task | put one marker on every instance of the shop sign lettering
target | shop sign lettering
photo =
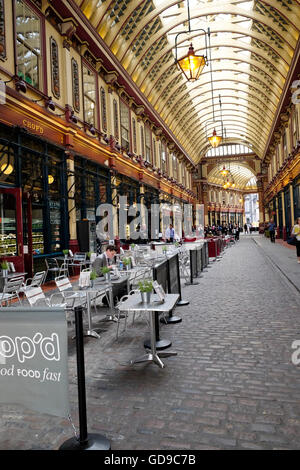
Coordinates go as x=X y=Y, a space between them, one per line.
x=33 y=126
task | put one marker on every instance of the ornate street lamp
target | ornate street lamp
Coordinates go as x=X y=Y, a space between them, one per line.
x=192 y=64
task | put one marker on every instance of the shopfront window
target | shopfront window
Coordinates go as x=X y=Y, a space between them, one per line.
x=7 y=165
x=89 y=92
x=54 y=197
x=8 y=225
x=28 y=34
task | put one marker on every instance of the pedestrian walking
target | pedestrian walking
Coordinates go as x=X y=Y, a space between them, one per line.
x=271 y=228
x=246 y=228
x=296 y=234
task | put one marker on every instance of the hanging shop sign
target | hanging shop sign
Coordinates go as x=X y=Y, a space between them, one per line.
x=34 y=359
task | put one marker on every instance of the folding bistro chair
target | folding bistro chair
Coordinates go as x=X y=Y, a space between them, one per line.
x=36 y=281
x=11 y=290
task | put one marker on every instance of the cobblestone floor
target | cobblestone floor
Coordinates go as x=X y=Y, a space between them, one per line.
x=232 y=385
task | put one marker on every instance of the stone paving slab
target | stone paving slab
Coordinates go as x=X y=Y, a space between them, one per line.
x=231 y=386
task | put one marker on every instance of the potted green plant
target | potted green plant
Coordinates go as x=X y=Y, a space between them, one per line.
x=106 y=272
x=145 y=288
x=177 y=244
x=65 y=252
x=4 y=267
x=93 y=276
x=89 y=254
x=132 y=246
x=126 y=262
x=164 y=250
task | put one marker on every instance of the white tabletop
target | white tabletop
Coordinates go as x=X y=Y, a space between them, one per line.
x=134 y=303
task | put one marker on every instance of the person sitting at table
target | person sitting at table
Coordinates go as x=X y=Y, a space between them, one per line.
x=105 y=259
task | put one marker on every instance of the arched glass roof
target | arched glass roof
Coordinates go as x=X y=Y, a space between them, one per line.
x=252 y=45
x=242 y=176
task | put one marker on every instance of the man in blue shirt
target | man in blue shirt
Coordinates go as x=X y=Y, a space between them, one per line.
x=271 y=228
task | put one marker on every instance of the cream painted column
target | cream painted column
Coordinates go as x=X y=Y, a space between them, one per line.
x=66 y=84
x=71 y=199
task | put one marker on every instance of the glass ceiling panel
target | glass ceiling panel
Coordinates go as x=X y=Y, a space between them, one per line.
x=252 y=45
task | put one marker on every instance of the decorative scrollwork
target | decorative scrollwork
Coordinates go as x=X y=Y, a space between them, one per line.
x=54 y=68
x=75 y=82
x=2 y=31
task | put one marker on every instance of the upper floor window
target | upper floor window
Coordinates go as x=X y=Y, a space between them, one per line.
x=89 y=95
x=116 y=119
x=154 y=152
x=175 y=167
x=142 y=142
x=125 y=127
x=183 y=178
x=163 y=158
x=148 y=144
x=284 y=145
x=28 y=44
x=295 y=129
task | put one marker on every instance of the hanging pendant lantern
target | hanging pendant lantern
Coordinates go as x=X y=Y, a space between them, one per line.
x=215 y=139
x=191 y=64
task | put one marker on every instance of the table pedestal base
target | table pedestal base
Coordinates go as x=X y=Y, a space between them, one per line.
x=182 y=303
x=160 y=344
x=154 y=358
x=94 y=442
x=172 y=319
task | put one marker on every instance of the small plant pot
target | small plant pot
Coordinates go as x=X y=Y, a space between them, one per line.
x=92 y=282
x=146 y=297
x=4 y=272
x=107 y=276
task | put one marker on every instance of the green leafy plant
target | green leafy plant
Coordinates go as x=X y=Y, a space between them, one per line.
x=126 y=261
x=105 y=270
x=145 y=286
x=177 y=244
x=4 y=265
x=93 y=275
x=65 y=252
x=132 y=246
x=89 y=254
x=164 y=249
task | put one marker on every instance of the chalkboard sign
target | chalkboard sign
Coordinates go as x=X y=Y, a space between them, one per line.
x=173 y=280
x=160 y=274
x=199 y=261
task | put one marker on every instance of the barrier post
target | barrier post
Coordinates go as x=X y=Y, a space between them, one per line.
x=86 y=441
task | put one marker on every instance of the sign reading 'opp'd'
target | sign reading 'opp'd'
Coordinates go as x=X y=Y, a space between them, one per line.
x=34 y=359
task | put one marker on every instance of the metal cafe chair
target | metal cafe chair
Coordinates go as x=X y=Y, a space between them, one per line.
x=35 y=295
x=36 y=281
x=53 y=267
x=78 y=261
x=11 y=290
x=66 y=289
x=124 y=315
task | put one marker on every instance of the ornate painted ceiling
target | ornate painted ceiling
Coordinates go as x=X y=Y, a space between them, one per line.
x=252 y=45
